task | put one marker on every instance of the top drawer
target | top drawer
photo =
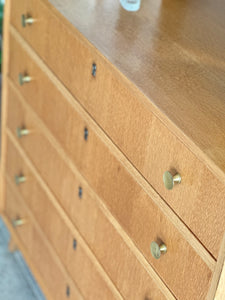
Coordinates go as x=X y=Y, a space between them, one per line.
x=61 y=50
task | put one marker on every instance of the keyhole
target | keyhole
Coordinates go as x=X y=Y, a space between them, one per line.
x=94 y=70
x=85 y=133
x=67 y=291
x=80 y=192
x=74 y=244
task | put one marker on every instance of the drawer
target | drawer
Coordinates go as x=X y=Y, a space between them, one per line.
x=199 y=192
x=43 y=259
x=72 y=250
x=37 y=32
x=58 y=44
x=133 y=208
x=84 y=210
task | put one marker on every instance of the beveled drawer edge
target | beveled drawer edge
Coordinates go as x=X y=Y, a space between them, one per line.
x=188 y=142
x=182 y=228
x=220 y=267
x=220 y=294
x=158 y=281
x=65 y=218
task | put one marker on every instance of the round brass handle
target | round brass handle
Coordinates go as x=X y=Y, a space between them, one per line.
x=157 y=250
x=20 y=132
x=169 y=180
x=26 y=20
x=18 y=222
x=23 y=79
x=19 y=179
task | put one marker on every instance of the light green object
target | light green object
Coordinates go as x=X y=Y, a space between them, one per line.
x=129 y=5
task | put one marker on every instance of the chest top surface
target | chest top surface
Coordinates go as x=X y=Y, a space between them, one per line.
x=173 y=52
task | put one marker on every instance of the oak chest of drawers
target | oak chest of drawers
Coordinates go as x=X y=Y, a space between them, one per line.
x=113 y=147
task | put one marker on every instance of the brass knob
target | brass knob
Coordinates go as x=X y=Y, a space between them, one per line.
x=20 y=132
x=18 y=222
x=157 y=250
x=26 y=20
x=169 y=180
x=19 y=179
x=24 y=79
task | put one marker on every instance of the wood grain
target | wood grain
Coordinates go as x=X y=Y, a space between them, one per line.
x=183 y=88
x=155 y=152
x=135 y=219
x=217 y=272
x=220 y=293
x=158 y=201
x=84 y=269
x=86 y=212
x=53 y=279
x=5 y=68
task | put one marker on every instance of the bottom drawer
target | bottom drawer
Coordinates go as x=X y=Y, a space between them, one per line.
x=57 y=283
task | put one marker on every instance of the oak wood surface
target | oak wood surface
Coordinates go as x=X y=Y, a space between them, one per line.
x=184 y=83
x=142 y=219
x=84 y=269
x=220 y=293
x=201 y=193
x=86 y=213
x=145 y=185
x=217 y=273
x=53 y=279
x=180 y=84
x=169 y=81
x=3 y=111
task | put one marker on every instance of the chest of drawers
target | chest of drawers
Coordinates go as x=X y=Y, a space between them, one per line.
x=113 y=143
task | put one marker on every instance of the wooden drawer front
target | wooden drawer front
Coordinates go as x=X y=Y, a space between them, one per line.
x=57 y=46
x=84 y=270
x=134 y=209
x=40 y=254
x=35 y=33
x=191 y=200
x=84 y=211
